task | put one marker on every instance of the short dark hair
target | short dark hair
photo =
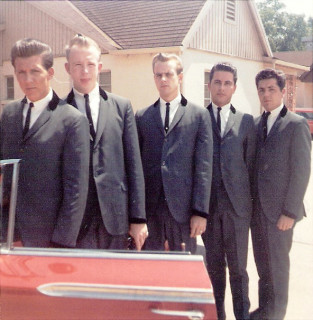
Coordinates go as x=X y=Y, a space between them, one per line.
x=271 y=74
x=164 y=57
x=224 y=66
x=28 y=47
x=81 y=41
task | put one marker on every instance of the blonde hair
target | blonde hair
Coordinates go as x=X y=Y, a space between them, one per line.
x=81 y=41
x=164 y=57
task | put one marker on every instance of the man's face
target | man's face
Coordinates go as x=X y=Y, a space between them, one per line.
x=222 y=87
x=83 y=67
x=32 y=77
x=167 y=80
x=270 y=95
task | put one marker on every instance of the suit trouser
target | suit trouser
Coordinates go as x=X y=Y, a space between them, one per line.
x=162 y=226
x=226 y=242
x=271 y=249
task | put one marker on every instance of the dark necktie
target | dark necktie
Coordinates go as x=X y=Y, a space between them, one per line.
x=264 y=124
x=27 y=120
x=88 y=114
x=218 y=118
x=167 y=117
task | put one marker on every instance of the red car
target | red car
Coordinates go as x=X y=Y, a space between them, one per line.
x=307 y=113
x=70 y=284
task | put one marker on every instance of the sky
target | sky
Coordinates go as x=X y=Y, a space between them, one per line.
x=299 y=7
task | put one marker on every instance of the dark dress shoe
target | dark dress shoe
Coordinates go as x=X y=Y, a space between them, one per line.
x=258 y=314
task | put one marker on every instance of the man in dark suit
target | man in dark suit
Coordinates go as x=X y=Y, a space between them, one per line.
x=176 y=148
x=50 y=138
x=115 y=204
x=282 y=173
x=227 y=234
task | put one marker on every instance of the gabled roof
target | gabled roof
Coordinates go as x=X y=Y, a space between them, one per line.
x=304 y=58
x=134 y=24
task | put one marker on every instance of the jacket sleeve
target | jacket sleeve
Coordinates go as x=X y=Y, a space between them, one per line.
x=75 y=173
x=134 y=171
x=300 y=160
x=203 y=167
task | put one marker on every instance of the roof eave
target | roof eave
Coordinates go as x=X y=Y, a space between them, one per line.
x=290 y=65
x=175 y=49
x=62 y=10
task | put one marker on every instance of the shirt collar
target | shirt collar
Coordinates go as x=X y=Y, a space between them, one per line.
x=276 y=112
x=174 y=102
x=43 y=102
x=92 y=94
x=225 y=109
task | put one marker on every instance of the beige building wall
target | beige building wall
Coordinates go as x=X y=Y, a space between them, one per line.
x=132 y=77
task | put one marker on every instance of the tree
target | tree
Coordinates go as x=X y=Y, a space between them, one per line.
x=284 y=30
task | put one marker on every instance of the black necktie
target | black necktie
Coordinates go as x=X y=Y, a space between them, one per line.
x=88 y=114
x=218 y=118
x=264 y=124
x=27 y=120
x=167 y=117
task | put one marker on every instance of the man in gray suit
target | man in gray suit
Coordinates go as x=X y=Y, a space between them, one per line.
x=176 y=148
x=227 y=234
x=115 y=203
x=282 y=173
x=50 y=138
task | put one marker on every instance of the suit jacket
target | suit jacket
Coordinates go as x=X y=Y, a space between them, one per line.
x=53 y=180
x=236 y=155
x=283 y=166
x=180 y=161
x=116 y=162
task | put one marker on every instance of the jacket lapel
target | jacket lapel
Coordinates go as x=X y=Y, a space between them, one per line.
x=179 y=113
x=231 y=120
x=70 y=99
x=19 y=122
x=277 y=123
x=157 y=116
x=213 y=120
x=44 y=116
x=104 y=109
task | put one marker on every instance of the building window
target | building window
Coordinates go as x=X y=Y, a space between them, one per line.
x=10 y=87
x=207 y=93
x=105 y=81
x=230 y=11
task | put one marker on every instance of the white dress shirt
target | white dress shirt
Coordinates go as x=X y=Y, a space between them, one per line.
x=94 y=102
x=37 y=109
x=225 y=111
x=273 y=117
x=174 y=104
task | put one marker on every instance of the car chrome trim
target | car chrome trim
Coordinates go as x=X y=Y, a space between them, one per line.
x=13 y=196
x=125 y=292
x=192 y=314
x=100 y=254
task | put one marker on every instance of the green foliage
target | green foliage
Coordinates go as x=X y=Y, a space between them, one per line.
x=284 y=30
